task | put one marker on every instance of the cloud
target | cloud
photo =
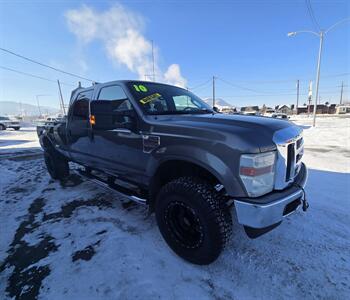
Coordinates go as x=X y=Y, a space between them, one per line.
x=121 y=32
x=173 y=75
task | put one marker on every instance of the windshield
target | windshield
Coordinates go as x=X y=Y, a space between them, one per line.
x=4 y=118
x=161 y=99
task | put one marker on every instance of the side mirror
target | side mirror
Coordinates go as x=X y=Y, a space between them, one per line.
x=125 y=113
x=216 y=109
x=126 y=117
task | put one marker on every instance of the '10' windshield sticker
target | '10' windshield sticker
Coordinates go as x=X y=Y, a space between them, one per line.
x=150 y=98
x=140 y=88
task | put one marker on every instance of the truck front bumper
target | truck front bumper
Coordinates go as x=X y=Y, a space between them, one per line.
x=269 y=210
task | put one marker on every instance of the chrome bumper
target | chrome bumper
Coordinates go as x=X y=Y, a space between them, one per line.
x=261 y=215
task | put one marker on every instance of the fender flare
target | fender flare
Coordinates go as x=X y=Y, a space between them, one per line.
x=206 y=160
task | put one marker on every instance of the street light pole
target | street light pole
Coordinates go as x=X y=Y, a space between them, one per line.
x=321 y=35
x=318 y=77
x=297 y=96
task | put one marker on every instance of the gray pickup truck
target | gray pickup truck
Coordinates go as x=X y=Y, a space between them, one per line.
x=162 y=146
x=6 y=122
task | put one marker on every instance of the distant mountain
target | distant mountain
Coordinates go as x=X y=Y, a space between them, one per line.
x=218 y=102
x=16 y=108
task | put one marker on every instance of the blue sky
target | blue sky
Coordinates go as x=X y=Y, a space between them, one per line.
x=244 y=43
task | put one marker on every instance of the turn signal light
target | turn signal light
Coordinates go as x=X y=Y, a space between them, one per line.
x=92 y=120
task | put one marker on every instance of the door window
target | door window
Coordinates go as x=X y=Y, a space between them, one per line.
x=115 y=94
x=112 y=99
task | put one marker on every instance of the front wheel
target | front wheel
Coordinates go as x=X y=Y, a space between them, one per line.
x=193 y=219
x=2 y=127
x=56 y=164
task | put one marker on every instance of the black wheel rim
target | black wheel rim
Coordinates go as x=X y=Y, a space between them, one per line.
x=184 y=224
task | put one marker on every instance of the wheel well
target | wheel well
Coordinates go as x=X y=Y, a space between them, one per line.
x=173 y=169
x=46 y=143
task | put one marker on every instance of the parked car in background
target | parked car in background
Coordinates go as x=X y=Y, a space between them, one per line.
x=280 y=116
x=6 y=122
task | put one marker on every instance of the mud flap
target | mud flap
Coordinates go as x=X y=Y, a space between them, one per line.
x=253 y=233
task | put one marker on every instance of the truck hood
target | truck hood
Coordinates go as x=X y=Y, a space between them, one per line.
x=248 y=133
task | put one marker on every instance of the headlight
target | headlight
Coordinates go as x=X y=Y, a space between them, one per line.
x=257 y=172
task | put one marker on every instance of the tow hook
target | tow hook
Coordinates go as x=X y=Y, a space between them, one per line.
x=305 y=205
x=304 y=201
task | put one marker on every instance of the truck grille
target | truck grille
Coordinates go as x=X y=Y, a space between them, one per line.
x=290 y=146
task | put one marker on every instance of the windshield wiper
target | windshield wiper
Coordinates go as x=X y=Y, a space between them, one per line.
x=205 y=111
x=181 y=112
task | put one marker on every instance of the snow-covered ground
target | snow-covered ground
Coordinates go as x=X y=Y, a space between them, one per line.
x=74 y=240
x=24 y=140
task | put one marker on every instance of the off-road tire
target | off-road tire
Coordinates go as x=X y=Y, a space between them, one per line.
x=206 y=207
x=56 y=164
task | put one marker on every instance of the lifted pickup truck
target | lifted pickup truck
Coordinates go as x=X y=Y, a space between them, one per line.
x=163 y=146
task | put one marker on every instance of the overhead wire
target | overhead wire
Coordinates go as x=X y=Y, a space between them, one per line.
x=200 y=85
x=312 y=15
x=238 y=86
x=34 y=76
x=45 y=65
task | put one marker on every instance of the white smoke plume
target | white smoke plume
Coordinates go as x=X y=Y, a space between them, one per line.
x=121 y=32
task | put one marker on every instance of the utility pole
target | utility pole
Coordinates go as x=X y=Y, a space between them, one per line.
x=341 y=93
x=297 y=95
x=37 y=100
x=20 y=108
x=154 y=75
x=309 y=98
x=213 y=91
x=61 y=97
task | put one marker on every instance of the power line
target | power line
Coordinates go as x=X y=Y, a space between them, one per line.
x=270 y=95
x=238 y=86
x=200 y=85
x=32 y=75
x=312 y=15
x=289 y=80
x=45 y=65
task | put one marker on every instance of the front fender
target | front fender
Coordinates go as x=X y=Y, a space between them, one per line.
x=207 y=160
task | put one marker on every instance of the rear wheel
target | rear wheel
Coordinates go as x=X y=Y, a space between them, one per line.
x=16 y=128
x=2 y=127
x=56 y=165
x=193 y=219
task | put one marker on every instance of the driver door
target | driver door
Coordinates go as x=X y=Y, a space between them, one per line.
x=116 y=140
